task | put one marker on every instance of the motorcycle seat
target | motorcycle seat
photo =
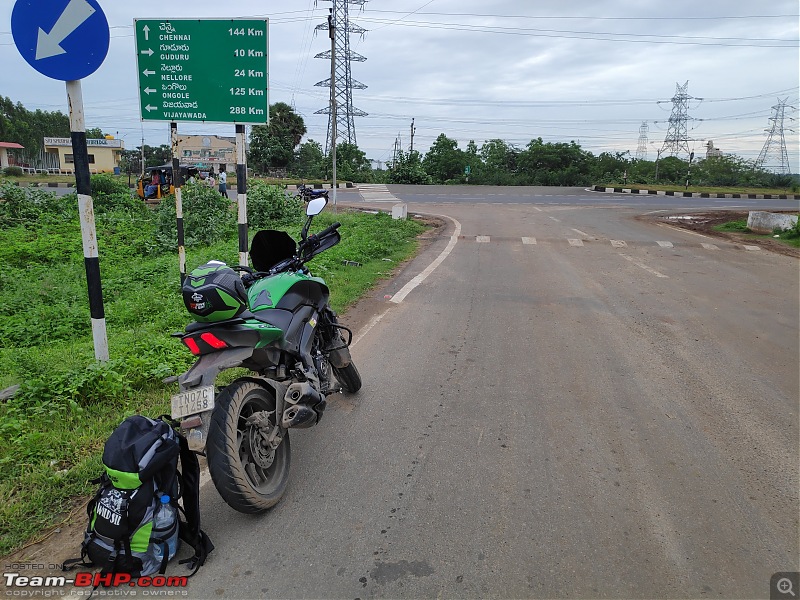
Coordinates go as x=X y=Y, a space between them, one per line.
x=197 y=326
x=274 y=316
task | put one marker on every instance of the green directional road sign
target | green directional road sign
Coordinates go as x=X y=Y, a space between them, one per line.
x=203 y=70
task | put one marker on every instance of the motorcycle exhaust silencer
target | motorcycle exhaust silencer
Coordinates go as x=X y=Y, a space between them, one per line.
x=305 y=406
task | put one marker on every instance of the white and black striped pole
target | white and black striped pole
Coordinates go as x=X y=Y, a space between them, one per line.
x=83 y=184
x=241 y=192
x=178 y=182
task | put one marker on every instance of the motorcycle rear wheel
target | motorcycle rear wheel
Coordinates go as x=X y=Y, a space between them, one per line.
x=237 y=468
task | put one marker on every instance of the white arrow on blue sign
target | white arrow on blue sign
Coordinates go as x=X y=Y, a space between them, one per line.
x=62 y=39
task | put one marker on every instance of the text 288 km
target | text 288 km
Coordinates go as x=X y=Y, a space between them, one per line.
x=193 y=401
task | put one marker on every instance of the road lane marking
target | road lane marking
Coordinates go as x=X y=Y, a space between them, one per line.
x=483 y=239
x=619 y=244
x=579 y=232
x=537 y=208
x=683 y=230
x=710 y=246
x=554 y=219
x=365 y=330
x=753 y=248
x=575 y=242
x=665 y=244
x=529 y=240
x=641 y=265
x=407 y=288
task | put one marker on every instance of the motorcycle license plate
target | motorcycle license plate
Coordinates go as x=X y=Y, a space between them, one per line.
x=192 y=401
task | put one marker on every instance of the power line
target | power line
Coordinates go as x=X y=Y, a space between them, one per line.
x=591 y=35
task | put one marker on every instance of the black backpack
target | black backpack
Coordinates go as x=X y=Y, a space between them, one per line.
x=141 y=464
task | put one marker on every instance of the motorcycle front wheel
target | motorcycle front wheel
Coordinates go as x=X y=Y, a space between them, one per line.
x=349 y=377
x=249 y=475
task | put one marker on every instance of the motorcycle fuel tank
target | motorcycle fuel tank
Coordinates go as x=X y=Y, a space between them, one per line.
x=287 y=291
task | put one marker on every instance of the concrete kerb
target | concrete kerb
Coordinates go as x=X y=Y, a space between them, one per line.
x=619 y=190
x=48 y=184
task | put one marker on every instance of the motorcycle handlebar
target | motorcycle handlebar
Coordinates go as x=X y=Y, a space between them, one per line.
x=328 y=230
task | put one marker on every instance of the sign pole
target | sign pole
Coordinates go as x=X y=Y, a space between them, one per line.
x=91 y=257
x=177 y=181
x=241 y=192
x=332 y=33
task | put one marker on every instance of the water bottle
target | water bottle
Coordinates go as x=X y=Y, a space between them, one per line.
x=165 y=526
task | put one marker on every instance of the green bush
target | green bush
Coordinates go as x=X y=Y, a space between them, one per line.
x=103 y=183
x=792 y=233
x=30 y=207
x=269 y=206
x=13 y=171
x=207 y=218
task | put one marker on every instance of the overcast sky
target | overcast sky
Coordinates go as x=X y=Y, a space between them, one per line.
x=589 y=71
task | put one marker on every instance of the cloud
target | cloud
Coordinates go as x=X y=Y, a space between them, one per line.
x=584 y=70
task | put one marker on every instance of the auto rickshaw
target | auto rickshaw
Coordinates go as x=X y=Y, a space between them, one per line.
x=157 y=182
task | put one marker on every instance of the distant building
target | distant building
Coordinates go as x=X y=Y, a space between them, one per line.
x=207 y=150
x=711 y=150
x=104 y=154
x=4 y=148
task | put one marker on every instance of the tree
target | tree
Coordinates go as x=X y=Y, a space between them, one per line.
x=444 y=161
x=407 y=168
x=309 y=161
x=157 y=155
x=351 y=163
x=611 y=167
x=17 y=124
x=554 y=163
x=95 y=133
x=273 y=145
x=131 y=161
x=499 y=161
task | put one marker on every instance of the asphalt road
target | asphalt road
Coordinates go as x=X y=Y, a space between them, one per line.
x=573 y=404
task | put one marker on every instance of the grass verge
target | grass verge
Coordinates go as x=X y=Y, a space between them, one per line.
x=53 y=430
x=790 y=237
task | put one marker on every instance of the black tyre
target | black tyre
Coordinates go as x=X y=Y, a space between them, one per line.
x=248 y=474
x=349 y=377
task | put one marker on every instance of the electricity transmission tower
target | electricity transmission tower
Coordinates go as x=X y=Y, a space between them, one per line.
x=773 y=155
x=641 y=150
x=344 y=84
x=677 y=139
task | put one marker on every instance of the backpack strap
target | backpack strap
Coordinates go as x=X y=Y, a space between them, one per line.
x=190 y=531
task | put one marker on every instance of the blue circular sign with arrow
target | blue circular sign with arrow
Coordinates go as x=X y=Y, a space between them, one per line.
x=62 y=39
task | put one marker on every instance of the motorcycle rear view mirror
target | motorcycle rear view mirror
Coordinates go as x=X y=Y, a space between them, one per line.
x=315 y=206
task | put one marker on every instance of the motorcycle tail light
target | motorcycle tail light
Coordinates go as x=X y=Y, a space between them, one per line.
x=213 y=341
x=192 y=346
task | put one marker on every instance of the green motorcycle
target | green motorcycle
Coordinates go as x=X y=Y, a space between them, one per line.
x=276 y=321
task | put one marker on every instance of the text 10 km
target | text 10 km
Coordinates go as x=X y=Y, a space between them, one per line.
x=249 y=31
x=249 y=53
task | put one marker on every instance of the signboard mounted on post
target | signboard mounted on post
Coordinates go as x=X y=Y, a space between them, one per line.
x=203 y=70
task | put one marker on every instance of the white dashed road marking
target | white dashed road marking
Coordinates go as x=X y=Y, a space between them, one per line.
x=529 y=240
x=575 y=242
x=644 y=266
x=665 y=244
x=618 y=244
x=710 y=246
x=483 y=239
